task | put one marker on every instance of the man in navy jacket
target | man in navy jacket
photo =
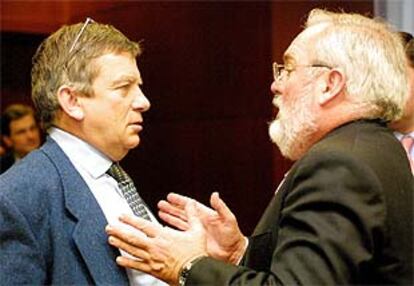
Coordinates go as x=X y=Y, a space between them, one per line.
x=55 y=203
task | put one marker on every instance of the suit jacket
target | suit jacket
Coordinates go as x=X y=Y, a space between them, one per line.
x=52 y=230
x=343 y=215
x=6 y=162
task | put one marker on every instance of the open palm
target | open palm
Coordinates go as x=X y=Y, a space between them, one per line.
x=224 y=238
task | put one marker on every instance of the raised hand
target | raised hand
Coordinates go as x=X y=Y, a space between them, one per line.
x=224 y=238
x=156 y=250
x=172 y=211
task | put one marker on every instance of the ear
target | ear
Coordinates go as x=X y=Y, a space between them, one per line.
x=70 y=103
x=334 y=84
x=7 y=140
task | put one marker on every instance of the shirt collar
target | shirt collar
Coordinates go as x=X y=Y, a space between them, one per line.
x=80 y=153
x=401 y=135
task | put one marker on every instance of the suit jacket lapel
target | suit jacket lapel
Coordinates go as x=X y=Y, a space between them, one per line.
x=264 y=239
x=89 y=234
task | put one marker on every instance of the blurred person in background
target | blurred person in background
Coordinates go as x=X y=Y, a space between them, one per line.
x=19 y=132
x=3 y=149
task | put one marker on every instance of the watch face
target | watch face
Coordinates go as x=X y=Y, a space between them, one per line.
x=184 y=273
x=181 y=281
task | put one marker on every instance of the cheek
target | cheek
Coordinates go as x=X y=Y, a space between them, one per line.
x=20 y=142
x=411 y=84
x=409 y=108
x=290 y=99
x=120 y=111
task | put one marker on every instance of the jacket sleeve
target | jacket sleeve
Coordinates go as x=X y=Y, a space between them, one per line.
x=332 y=209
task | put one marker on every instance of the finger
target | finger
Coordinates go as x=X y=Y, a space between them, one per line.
x=178 y=200
x=130 y=249
x=153 y=269
x=145 y=226
x=220 y=206
x=204 y=210
x=133 y=264
x=181 y=201
x=173 y=221
x=130 y=236
x=166 y=207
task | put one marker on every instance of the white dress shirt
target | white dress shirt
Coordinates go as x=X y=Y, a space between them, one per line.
x=400 y=136
x=92 y=165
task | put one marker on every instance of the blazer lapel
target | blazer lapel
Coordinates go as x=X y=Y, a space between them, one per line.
x=89 y=234
x=264 y=239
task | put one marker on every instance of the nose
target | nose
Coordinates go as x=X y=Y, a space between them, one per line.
x=141 y=102
x=33 y=133
x=275 y=87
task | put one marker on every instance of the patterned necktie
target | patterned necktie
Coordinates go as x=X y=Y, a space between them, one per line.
x=128 y=190
x=408 y=142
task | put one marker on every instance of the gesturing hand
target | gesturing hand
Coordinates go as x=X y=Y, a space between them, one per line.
x=159 y=251
x=224 y=238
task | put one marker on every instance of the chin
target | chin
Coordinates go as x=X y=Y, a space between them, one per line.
x=277 y=136
x=283 y=138
x=275 y=132
x=133 y=142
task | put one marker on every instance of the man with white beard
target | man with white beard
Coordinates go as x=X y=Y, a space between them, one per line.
x=343 y=214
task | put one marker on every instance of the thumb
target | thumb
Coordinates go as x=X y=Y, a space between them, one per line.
x=220 y=206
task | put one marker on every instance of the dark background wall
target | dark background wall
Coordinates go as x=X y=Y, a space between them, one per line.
x=206 y=68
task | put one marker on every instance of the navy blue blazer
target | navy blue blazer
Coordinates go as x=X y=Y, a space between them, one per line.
x=52 y=230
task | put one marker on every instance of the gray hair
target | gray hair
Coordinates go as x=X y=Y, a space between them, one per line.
x=57 y=63
x=373 y=58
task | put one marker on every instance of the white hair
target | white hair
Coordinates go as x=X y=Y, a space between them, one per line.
x=372 y=56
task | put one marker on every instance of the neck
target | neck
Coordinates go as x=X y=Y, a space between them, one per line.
x=403 y=126
x=115 y=155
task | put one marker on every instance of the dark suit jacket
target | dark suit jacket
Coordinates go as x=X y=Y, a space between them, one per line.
x=344 y=215
x=6 y=162
x=52 y=230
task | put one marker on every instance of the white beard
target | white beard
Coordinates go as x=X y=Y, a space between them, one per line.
x=293 y=129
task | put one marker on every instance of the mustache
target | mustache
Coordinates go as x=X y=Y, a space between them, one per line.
x=277 y=102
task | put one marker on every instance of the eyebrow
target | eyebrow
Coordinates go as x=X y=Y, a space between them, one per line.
x=126 y=79
x=288 y=58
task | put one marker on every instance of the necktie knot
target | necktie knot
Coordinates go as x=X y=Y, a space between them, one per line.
x=118 y=174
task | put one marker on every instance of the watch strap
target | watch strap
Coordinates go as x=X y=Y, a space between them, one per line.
x=185 y=270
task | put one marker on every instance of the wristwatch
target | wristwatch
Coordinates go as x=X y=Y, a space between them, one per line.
x=185 y=270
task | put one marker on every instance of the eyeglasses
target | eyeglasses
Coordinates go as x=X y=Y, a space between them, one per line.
x=72 y=49
x=87 y=21
x=280 y=71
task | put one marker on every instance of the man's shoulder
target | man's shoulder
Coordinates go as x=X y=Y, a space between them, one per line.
x=365 y=149
x=360 y=138
x=40 y=169
x=32 y=171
